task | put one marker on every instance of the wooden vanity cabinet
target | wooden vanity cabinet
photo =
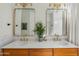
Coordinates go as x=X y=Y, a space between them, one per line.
x=15 y=52
x=41 y=52
x=65 y=51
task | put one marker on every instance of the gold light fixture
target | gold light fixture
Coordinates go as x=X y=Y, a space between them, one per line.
x=24 y=4
x=55 y=5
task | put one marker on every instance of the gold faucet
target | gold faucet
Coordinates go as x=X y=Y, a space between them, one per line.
x=56 y=37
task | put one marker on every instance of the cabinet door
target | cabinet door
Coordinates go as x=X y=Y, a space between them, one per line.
x=15 y=52
x=1 y=52
x=41 y=52
x=65 y=52
x=78 y=51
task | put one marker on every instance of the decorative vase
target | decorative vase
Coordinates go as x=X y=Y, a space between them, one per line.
x=40 y=39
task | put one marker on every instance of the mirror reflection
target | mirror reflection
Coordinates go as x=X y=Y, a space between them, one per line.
x=56 y=22
x=24 y=21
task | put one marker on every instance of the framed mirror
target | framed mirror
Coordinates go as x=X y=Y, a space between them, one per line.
x=56 y=22
x=24 y=19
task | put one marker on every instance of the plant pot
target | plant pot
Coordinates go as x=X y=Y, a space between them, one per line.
x=40 y=39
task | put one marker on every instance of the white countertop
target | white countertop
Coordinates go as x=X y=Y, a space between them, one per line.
x=43 y=44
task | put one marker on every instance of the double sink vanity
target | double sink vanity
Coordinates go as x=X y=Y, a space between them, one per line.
x=36 y=48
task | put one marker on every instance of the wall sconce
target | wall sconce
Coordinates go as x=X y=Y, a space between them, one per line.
x=23 y=4
x=55 y=5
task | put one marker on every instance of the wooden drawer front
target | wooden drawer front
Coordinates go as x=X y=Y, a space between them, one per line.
x=15 y=52
x=65 y=52
x=1 y=52
x=41 y=52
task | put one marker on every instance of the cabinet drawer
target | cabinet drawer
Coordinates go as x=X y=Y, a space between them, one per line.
x=15 y=52
x=65 y=52
x=41 y=52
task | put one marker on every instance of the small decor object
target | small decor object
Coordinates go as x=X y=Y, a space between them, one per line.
x=39 y=30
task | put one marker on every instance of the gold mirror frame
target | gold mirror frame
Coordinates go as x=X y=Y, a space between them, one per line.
x=65 y=21
x=22 y=6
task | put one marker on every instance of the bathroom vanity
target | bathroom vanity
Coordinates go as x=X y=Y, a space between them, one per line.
x=35 y=48
x=56 y=24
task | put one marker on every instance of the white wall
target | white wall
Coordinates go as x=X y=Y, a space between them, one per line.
x=40 y=11
x=72 y=18
x=5 y=18
x=73 y=22
x=77 y=26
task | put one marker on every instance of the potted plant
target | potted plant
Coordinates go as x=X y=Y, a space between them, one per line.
x=39 y=30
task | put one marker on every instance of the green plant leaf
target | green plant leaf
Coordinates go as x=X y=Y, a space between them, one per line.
x=39 y=29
